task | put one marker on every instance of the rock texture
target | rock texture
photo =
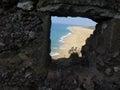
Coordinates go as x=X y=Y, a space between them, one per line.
x=104 y=44
x=97 y=10
x=25 y=63
x=25 y=5
x=24 y=47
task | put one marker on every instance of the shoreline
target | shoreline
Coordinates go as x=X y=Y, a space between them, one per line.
x=61 y=41
x=73 y=41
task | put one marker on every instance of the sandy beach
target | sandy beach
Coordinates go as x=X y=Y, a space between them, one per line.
x=73 y=42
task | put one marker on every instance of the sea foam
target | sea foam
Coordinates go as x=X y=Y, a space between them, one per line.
x=63 y=37
x=54 y=54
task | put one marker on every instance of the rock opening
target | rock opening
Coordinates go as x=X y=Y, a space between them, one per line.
x=69 y=34
x=25 y=63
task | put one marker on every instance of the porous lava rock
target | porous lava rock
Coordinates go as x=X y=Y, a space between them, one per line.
x=25 y=63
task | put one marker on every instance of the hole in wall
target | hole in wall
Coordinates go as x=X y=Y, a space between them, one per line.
x=69 y=34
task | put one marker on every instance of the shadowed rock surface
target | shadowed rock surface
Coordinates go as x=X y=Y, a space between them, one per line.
x=97 y=10
x=25 y=63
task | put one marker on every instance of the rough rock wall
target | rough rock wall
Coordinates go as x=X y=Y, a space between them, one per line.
x=97 y=10
x=24 y=47
x=102 y=52
x=25 y=42
x=102 y=49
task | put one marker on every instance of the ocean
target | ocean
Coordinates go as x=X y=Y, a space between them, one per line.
x=58 y=33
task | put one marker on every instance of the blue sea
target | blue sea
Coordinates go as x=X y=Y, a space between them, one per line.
x=58 y=33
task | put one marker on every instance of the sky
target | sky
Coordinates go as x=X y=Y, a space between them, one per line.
x=74 y=21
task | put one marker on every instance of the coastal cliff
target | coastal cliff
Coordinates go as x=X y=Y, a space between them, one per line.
x=25 y=63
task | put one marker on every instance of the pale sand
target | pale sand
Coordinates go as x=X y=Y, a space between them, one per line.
x=76 y=39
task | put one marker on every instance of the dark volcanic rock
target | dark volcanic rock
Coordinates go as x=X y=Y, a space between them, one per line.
x=6 y=4
x=25 y=46
x=97 y=10
x=22 y=40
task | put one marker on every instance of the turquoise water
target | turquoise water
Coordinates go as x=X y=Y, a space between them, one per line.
x=58 y=33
